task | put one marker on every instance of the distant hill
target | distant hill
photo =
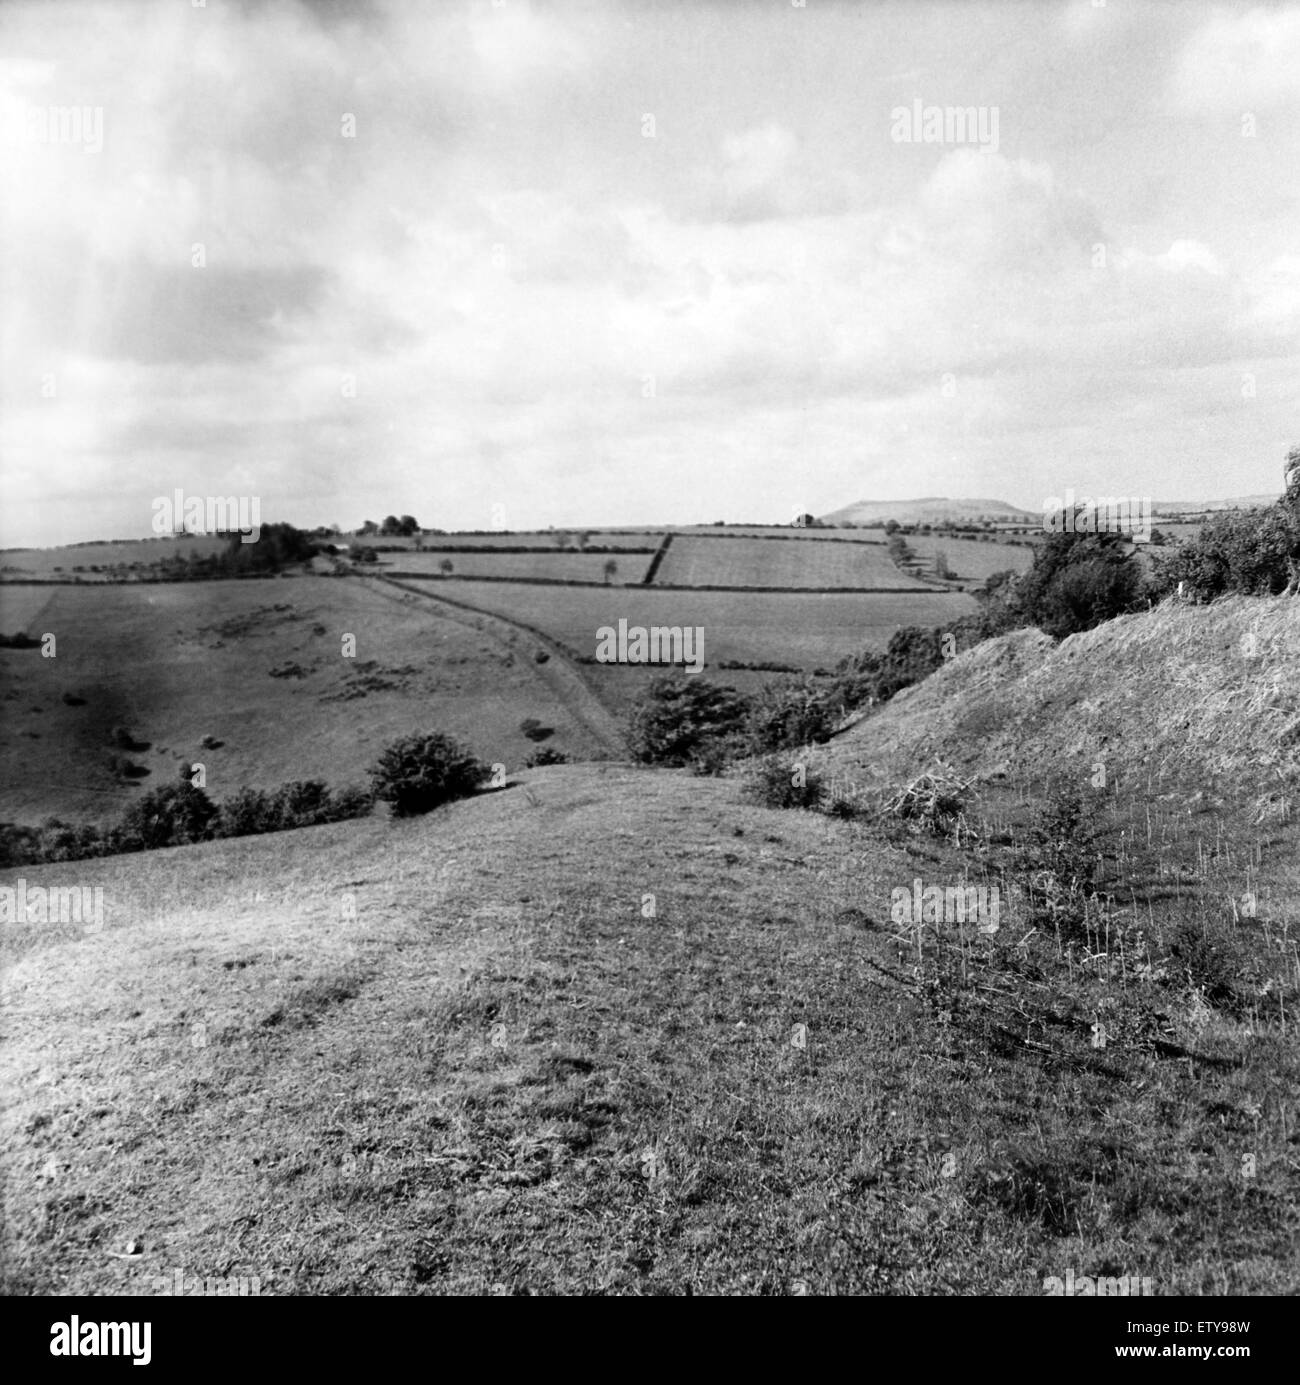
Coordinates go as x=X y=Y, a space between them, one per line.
x=935 y=509
x=931 y=509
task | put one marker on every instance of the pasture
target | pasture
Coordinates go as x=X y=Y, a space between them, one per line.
x=46 y=562
x=970 y=559
x=258 y=666
x=552 y=564
x=544 y=540
x=695 y=561
x=816 y=629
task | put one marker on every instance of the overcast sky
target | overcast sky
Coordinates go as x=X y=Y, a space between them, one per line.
x=500 y=285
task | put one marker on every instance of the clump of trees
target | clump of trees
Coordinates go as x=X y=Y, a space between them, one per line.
x=179 y=813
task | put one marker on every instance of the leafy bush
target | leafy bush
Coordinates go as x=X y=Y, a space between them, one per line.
x=780 y=783
x=1078 y=581
x=169 y=816
x=302 y=803
x=680 y=715
x=1249 y=551
x=246 y=814
x=546 y=755
x=64 y=841
x=417 y=773
x=787 y=714
x=350 y=803
x=19 y=845
x=1060 y=860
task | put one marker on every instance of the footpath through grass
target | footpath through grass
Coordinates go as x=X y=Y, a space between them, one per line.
x=469 y=1053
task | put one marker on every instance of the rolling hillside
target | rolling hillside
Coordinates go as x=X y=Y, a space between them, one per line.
x=620 y=1030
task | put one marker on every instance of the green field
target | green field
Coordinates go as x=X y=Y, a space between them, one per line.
x=43 y=562
x=542 y=539
x=753 y=562
x=175 y=663
x=566 y=566
x=752 y=627
x=970 y=559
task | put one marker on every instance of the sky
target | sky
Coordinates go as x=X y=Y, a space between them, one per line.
x=499 y=264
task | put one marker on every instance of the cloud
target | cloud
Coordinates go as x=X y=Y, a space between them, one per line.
x=1237 y=62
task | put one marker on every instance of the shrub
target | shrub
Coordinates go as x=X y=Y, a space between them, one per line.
x=1212 y=958
x=679 y=715
x=1079 y=581
x=1247 y=551
x=19 y=845
x=781 y=783
x=1061 y=860
x=301 y=803
x=169 y=816
x=546 y=756
x=417 y=773
x=350 y=803
x=534 y=730
x=246 y=814
x=790 y=713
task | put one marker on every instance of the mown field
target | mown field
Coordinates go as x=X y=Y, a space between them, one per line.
x=753 y=562
x=806 y=631
x=260 y=667
x=556 y=565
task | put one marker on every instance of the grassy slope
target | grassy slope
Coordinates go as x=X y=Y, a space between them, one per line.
x=178 y=662
x=502 y=1076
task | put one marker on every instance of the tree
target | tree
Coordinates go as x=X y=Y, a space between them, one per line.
x=408 y=525
x=891 y=526
x=680 y=716
x=368 y=528
x=417 y=773
x=611 y=571
x=1078 y=581
x=561 y=538
x=391 y=525
x=445 y=567
x=1254 y=552
x=169 y=816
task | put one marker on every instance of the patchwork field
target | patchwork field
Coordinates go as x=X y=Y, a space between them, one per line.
x=752 y=562
x=258 y=666
x=566 y=566
x=807 y=631
x=970 y=559
x=544 y=540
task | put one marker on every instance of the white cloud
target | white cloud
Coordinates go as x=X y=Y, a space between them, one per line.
x=1238 y=62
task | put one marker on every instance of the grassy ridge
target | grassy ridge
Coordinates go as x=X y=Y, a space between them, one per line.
x=455 y=1055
